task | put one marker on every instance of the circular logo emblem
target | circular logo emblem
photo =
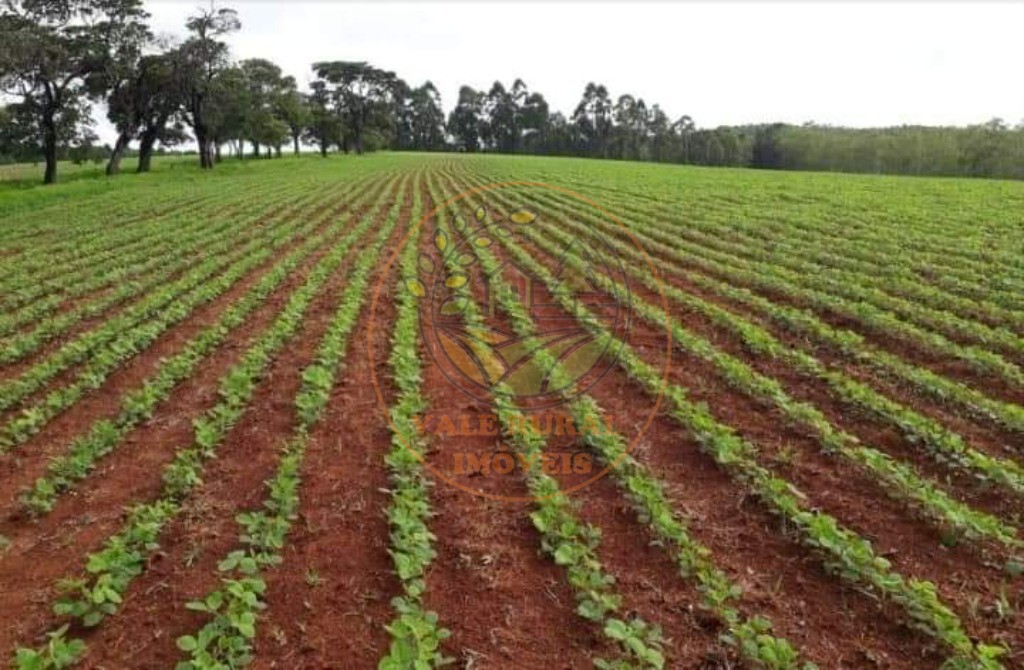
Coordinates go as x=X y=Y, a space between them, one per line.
x=491 y=357
x=523 y=290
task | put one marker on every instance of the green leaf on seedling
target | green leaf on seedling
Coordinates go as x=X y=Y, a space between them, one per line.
x=187 y=643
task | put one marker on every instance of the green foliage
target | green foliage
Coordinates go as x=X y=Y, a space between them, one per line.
x=57 y=653
x=843 y=551
x=123 y=557
x=226 y=640
x=571 y=543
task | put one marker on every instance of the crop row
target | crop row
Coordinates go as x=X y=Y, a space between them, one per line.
x=904 y=483
x=111 y=570
x=148 y=216
x=898 y=480
x=927 y=307
x=220 y=238
x=845 y=553
x=945 y=446
x=225 y=641
x=130 y=206
x=127 y=275
x=86 y=239
x=928 y=256
x=750 y=635
x=106 y=348
x=769 y=280
x=570 y=542
x=107 y=339
x=31 y=284
x=849 y=344
x=138 y=405
x=416 y=633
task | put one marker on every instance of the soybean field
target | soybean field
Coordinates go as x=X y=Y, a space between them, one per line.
x=420 y=410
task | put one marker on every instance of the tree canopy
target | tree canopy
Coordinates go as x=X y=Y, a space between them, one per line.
x=60 y=56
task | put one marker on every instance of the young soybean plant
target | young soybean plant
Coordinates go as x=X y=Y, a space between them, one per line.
x=897 y=479
x=751 y=636
x=123 y=557
x=844 y=552
x=733 y=286
x=571 y=543
x=226 y=640
x=416 y=634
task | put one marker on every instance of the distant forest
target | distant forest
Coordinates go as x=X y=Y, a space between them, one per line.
x=59 y=58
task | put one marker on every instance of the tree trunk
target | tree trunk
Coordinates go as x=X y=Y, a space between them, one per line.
x=114 y=165
x=277 y=151
x=204 y=147
x=295 y=142
x=219 y=158
x=359 y=138
x=145 y=162
x=50 y=146
x=323 y=148
x=255 y=149
x=201 y=131
x=146 y=143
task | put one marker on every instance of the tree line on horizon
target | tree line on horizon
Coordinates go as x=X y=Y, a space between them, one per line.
x=61 y=56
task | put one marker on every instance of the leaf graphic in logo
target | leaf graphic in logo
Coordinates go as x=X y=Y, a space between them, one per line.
x=526 y=377
x=426 y=264
x=441 y=241
x=482 y=242
x=416 y=287
x=454 y=306
x=456 y=281
x=575 y=361
x=480 y=213
x=523 y=217
x=475 y=358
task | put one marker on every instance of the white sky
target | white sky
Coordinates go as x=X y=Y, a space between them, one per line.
x=857 y=64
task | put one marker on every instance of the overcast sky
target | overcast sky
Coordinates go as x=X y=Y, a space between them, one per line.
x=857 y=64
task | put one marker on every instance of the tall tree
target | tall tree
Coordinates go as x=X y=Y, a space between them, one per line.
x=766 y=152
x=593 y=120
x=57 y=54
x=203 y=56
x=362 y=95
x=266 y=86
x=325 y=125
x=683 y=128
x=466 y=121
x=420 y=119
x=229 y=110
x=660 y=133
x=293 y=109
x=142 y=104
